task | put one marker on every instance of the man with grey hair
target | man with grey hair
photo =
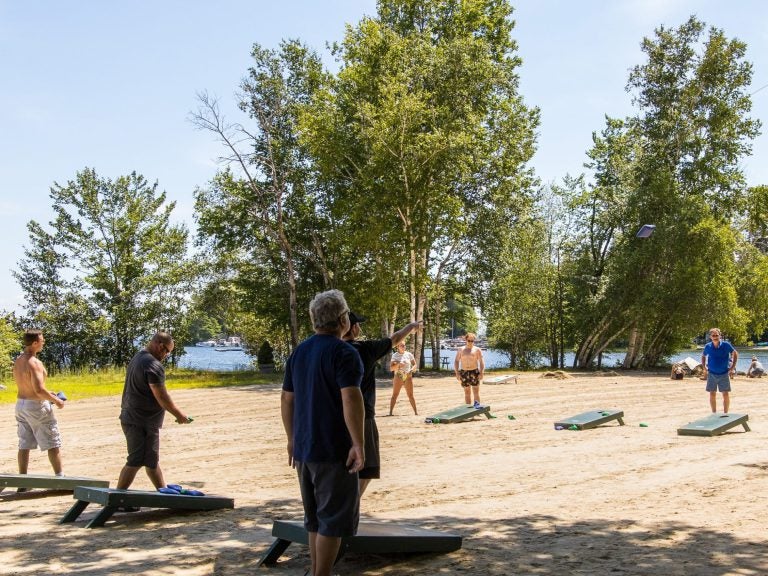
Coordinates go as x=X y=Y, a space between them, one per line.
x=322 y=411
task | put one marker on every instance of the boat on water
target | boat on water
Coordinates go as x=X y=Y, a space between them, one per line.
x=206 y=344
x=231 y=344
x=459 y=343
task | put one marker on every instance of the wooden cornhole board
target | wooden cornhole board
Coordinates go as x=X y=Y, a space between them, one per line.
x=48 y=482
x=500 y=379
x=592 y=419
x=714 y=425
x=459 y=414
x=113 y=498
x=372 y=538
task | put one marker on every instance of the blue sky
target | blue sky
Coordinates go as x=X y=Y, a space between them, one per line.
x=110 y=85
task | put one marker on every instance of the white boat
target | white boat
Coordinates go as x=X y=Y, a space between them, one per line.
x=231 y=344
x=206 y=344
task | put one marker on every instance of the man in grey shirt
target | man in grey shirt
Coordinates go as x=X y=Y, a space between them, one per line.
x=145 y=401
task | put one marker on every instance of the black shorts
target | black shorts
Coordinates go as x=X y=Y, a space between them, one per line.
x=331 y=498
x=372 y=467
x=143 y=445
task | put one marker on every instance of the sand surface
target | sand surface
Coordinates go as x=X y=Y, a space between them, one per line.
x=527 y=499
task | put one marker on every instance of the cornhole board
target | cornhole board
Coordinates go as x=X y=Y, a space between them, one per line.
x=458 y=414
x=500 y=379
x=48 y=482
x=112 y=498
x=714 y=425
x=592 y=419
x=372 y=538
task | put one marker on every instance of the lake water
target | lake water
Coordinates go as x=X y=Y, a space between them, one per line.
x=206 y=358
x=495 y=359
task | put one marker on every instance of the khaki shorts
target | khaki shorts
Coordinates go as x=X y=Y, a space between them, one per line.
x=36 y=425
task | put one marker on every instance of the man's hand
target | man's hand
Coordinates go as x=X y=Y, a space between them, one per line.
x=183 y=419
x=355 y=459
x=291 y=461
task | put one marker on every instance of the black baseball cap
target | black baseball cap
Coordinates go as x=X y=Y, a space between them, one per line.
x=355 y=319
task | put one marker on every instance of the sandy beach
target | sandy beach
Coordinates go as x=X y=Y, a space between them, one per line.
x=526 y=498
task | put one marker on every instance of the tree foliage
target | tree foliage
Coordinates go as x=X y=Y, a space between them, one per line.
x=421 y=141
x=260 y=212
x=110 y=273
x=676 y=165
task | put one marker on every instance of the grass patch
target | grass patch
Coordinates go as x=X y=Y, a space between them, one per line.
x=110 y=382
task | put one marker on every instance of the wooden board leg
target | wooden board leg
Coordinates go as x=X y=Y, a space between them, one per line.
x=746 y=426
x=74 y=512
x=102 y=517
x=275 y=551
x=621 y=422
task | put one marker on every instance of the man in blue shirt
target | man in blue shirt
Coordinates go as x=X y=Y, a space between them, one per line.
x=322 y=411
x=719 y=361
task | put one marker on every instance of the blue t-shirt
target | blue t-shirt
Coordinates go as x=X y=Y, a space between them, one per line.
x=315 y=373
x=718 y=358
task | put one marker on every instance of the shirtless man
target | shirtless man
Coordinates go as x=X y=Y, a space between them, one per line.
x=472 y=365
x=37 y=426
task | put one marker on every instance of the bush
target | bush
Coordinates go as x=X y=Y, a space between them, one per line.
x=265 y=354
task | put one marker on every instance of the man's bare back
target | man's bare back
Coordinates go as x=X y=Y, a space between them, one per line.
x=30 y=374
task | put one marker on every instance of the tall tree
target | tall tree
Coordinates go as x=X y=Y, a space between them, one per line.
x=260 y=210
x=113 y=261
x=683 y=175
x=422 y=139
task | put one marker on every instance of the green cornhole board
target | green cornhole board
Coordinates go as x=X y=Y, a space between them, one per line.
x=459 y=414
x=714 y=424
x=112 y=498
x=372 y=538
x=500 y=379
x=47 y=482
x=592 y=419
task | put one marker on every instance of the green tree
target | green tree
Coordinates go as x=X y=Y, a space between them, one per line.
x=676 y=165
x=421 y=142
x=261 y=211
x=113 y=270
x=10 y=344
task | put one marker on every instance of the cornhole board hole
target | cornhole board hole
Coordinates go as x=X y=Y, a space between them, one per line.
x=714 y=425
x=591 y=419
x=48 y=482
x=372 y=538
x=459 y=414
x=112 y=498
x=500 y=379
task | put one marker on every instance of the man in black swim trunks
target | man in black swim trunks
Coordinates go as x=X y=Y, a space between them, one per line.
x=370 y=352
x=469 y=367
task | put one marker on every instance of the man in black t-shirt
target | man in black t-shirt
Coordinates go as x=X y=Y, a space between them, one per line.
x=370 y=352
x=145 y=401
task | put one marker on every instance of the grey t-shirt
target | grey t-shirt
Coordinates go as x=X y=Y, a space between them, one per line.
x=139 y=406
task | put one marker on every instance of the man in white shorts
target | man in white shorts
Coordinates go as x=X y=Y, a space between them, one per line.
x=37 y=426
